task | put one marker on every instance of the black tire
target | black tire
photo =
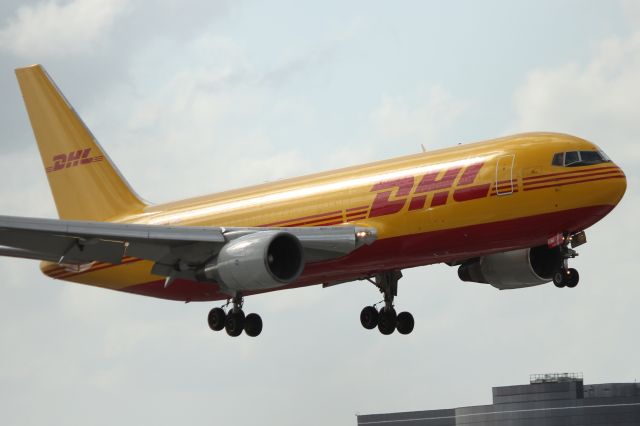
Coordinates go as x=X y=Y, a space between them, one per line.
x=369 y=317
x=559 y=279
x=234 y=324
x=387 y=321
x=253 y=325
x=216 y=319
x=572 y=278
x=405 y=323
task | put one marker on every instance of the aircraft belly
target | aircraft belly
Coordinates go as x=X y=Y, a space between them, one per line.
x=391 y=253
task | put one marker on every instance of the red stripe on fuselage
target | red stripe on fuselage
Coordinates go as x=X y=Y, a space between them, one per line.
x=317 y=221
x=320 y=215
x=573 y=182
x=410 y=251
x=503 y=192
x=96 y=267
x=572 y=178
x=599 y=169
x=64 y=269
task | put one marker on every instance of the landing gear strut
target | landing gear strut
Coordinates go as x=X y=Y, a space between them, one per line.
x=565 y=276
x=386 y=318
x=234 y=321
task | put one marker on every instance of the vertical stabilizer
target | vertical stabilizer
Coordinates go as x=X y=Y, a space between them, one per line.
x=84 y=182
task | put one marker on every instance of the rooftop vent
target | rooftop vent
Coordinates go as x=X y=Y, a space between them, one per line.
x=555 y=378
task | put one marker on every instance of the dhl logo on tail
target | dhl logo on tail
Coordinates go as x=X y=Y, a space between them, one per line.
x=73 y=159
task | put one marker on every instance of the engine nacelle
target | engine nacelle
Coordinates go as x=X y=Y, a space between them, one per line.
x=262 y=260
x=513 y=269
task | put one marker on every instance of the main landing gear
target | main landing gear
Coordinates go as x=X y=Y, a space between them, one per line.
x=234 y=321
x=565 y=276
x=386 y=318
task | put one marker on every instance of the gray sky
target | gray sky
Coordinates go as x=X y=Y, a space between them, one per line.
x=193 y=98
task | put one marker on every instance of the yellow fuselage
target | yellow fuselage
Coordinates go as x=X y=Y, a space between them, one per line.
x=440 y=206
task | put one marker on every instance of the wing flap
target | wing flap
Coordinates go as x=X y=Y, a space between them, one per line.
x=102 y=241
x=115 y=230
x=94 y=250
x=172 y=248
x=29 y=254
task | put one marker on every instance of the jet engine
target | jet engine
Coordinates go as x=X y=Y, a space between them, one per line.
x=513 y=269
x=257 y=261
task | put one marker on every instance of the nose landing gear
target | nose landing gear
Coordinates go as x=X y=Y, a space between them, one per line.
x=565 y=276
x=386 y=318
x=234 y=321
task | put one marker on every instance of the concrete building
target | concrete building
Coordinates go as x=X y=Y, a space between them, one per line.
x=548 y=400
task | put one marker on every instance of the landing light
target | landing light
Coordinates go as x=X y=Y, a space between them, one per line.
x=578 y=239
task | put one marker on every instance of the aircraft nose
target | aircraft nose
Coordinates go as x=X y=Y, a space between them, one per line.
x=617 y=187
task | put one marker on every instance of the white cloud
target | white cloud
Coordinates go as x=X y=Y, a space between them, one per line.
x=24 y=197
x=198 y=115
x=631 y=9
x=208 y=120
x=420 y=120
x=50 y=28
x=597 y=100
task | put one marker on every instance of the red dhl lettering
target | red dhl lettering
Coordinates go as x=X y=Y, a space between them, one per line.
x=73 y=159
x=392 y=195
x=383 y=204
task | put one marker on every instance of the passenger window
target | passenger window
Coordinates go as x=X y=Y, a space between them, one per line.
x=571 y=158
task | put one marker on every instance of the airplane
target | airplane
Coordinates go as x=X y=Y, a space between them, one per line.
x=508 y=212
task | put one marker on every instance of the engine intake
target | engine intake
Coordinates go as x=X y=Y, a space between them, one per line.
x=257 y=261
x=513 y=269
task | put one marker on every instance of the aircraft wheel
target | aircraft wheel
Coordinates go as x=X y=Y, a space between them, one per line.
x=405 y=323
x=253 y=325
x=369 y=317
x=572 y=277
x=558 y=278
x=216 y=319
x=387 y=321
x=234 y=324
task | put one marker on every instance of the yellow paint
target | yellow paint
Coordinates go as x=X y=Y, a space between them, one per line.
x=116 y=278
x=96 y=191
x=351 y=187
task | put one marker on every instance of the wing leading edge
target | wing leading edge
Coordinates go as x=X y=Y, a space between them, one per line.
x=78 y=242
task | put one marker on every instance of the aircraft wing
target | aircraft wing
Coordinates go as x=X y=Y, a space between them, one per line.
x=79 y=242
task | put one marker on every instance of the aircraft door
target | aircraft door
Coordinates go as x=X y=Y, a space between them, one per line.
x=504 y=174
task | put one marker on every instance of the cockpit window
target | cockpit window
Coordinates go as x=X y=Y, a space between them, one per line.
x=579 y=158
x=590 y=157
x=558 y=159
x=571 y=158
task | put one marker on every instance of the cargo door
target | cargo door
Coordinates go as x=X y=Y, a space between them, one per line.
x=504 y=174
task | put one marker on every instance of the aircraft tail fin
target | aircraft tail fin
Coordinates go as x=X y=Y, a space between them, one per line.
x=84 y=182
